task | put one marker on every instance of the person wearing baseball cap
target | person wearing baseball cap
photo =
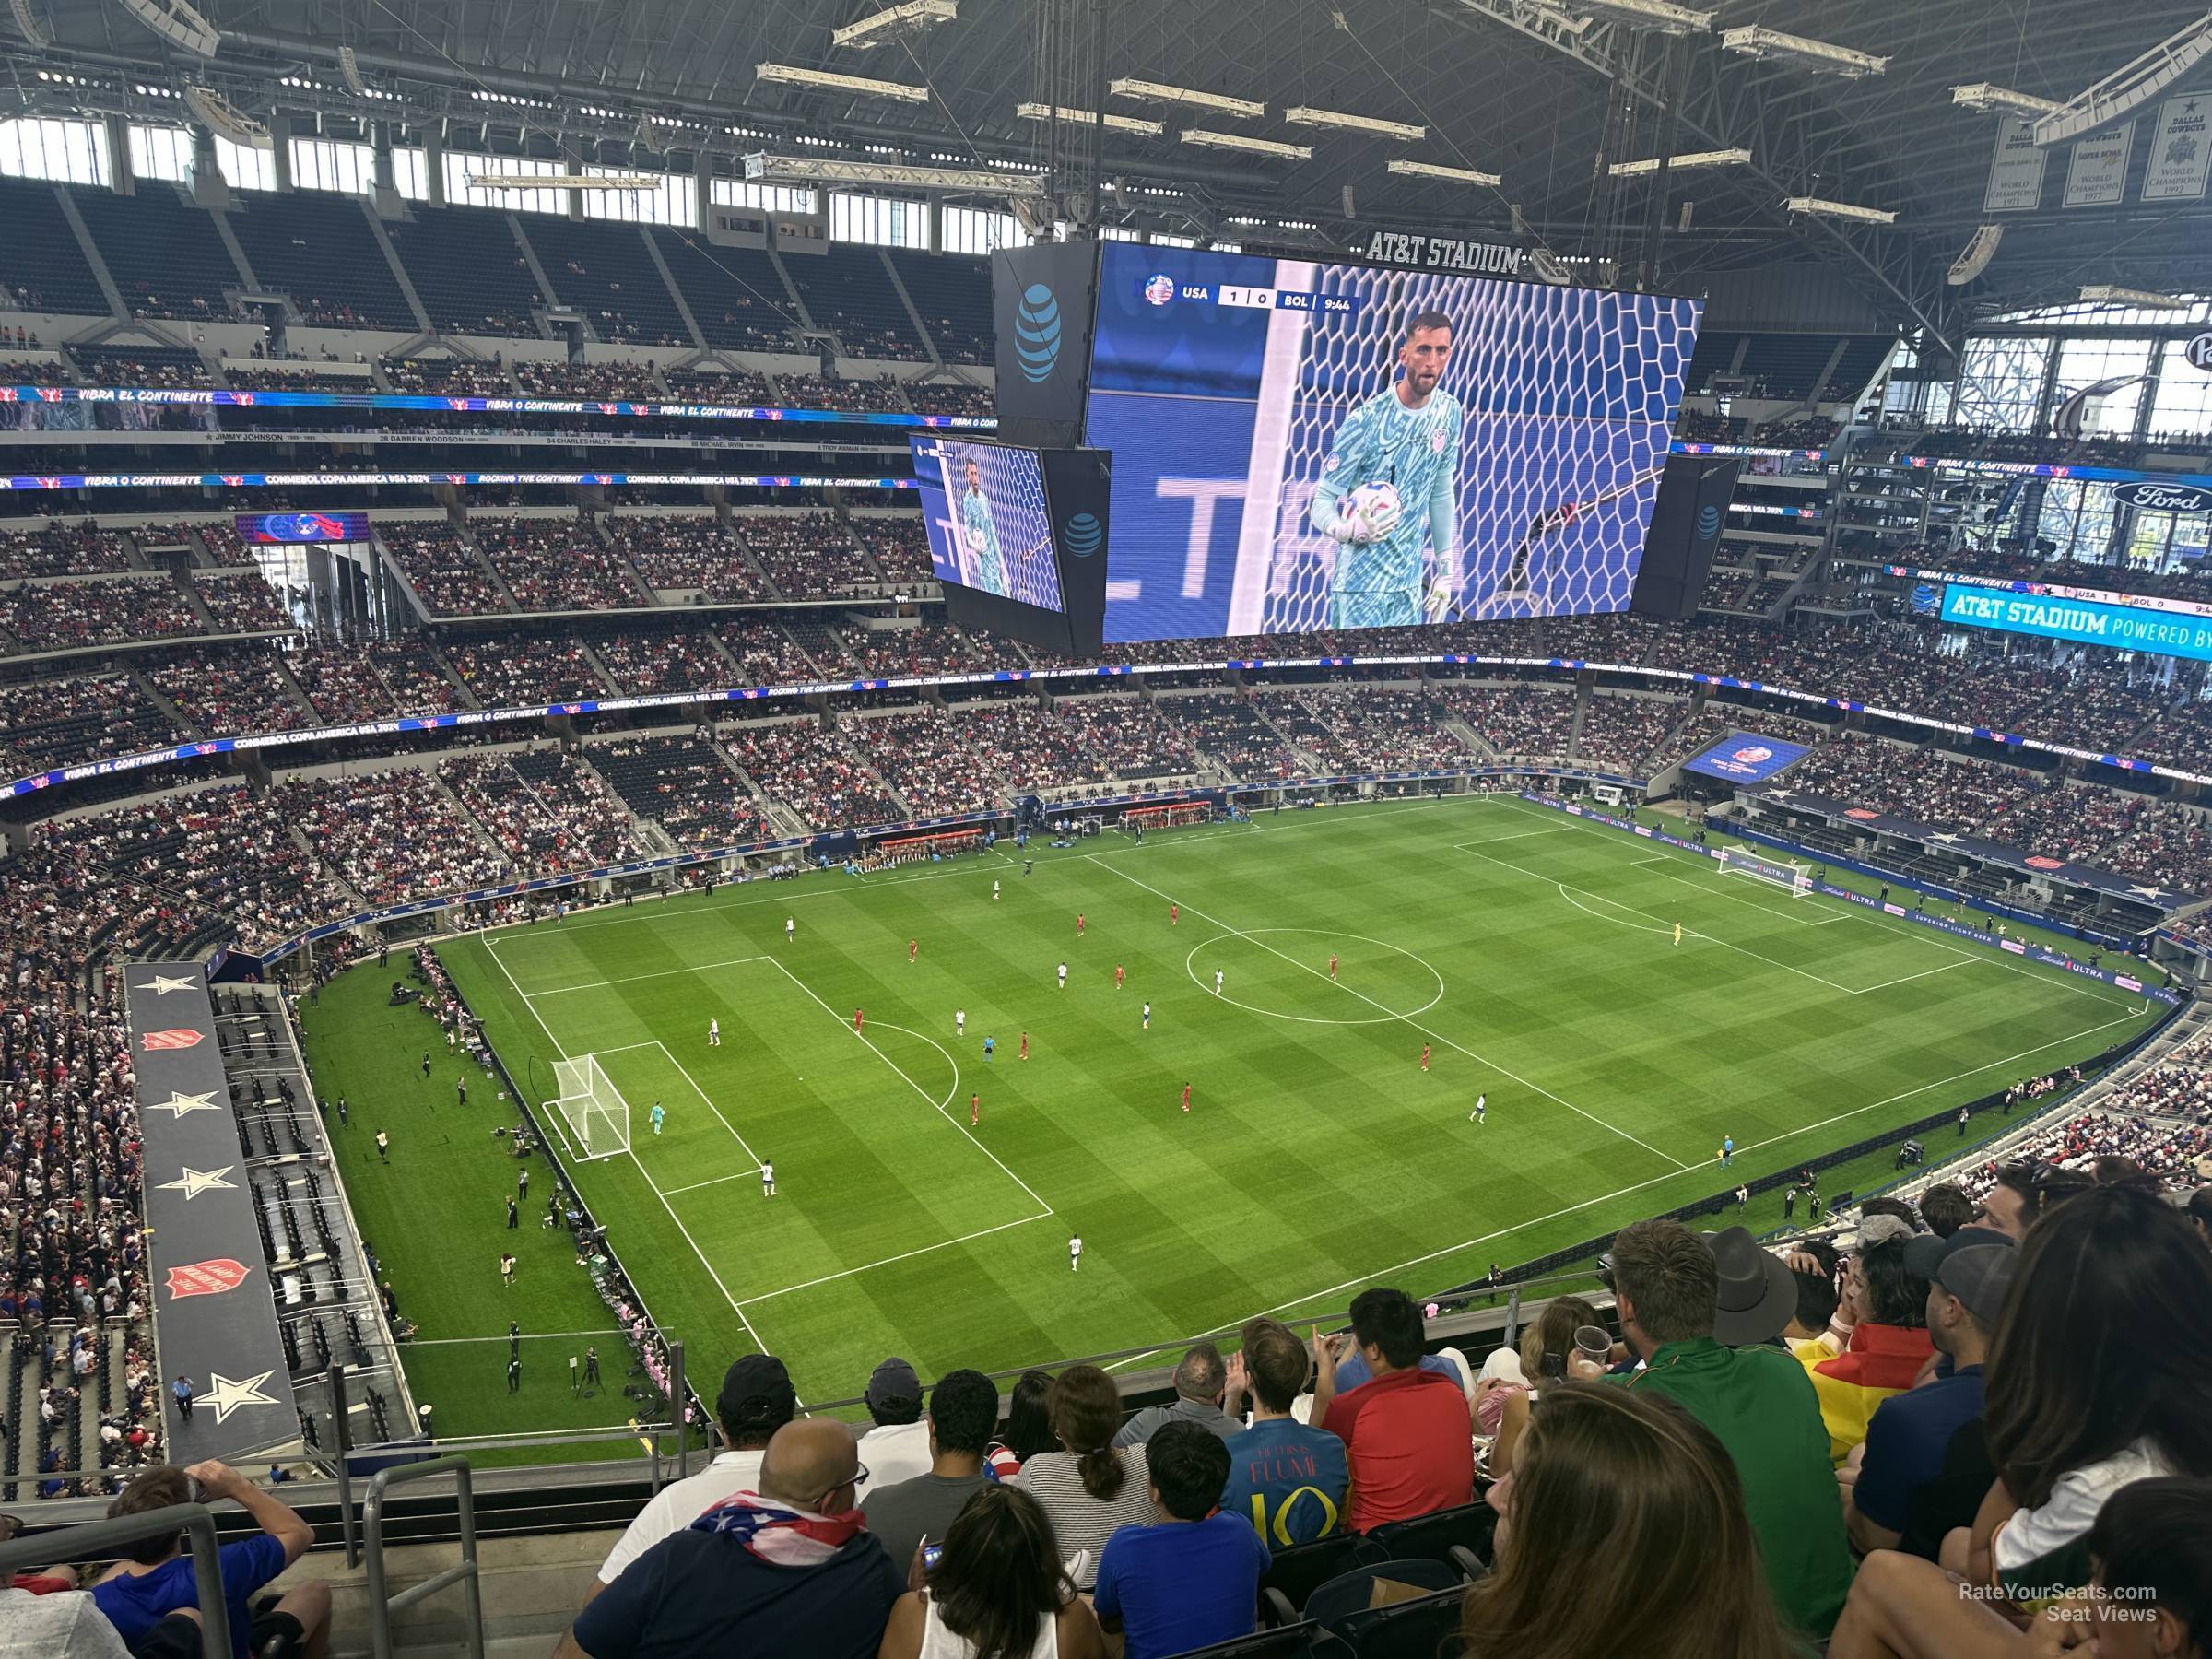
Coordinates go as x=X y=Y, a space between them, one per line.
x=1897 y=1482
x=897 y=1448
x=756 y=1399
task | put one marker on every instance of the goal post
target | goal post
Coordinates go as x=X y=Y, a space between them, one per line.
x=592 y=1107
x=1795 y=879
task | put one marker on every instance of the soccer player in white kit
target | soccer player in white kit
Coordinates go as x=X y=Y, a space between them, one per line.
x=1482 y=1110
x=959 y=1022
x=714 y=1033
x=1063 y=976
x=767 y=1179
x=1217 y=982
x=995 y=889
x=1075 y=1252
x=791 y=928
x=1408 y=435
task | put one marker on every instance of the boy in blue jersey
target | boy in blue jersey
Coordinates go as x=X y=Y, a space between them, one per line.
x=1407 y=436
x=980 y=535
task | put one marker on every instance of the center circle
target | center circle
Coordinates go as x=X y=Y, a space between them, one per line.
x=1361 y=1002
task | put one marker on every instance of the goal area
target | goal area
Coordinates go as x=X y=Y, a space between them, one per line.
x=1794 y=878
x=595 y=1111
x=1173 y=815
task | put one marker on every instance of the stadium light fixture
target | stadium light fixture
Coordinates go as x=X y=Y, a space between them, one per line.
x=1820 y=207
x=762 y=168
x=508 y=180
x=1437 y=169
x=1305 y=115
x=1145 y=91
x=2103 y=293
x=221 y=116
x=178 y=23
x=792 y=74
x=1251 y=146
x=1120 y=124
x=1985 y=100
x=1649 y=164
x=2129 y=87
x=1760 y=43
x=895 y=23
x=1658 y=17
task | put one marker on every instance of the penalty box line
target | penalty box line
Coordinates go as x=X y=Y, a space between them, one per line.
x=1433 y=1035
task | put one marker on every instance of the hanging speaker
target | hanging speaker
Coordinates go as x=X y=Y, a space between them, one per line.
x=1547 y=265
x=219 y=114
x=176 y=22
x=349 y=66
x=1981 y=247
x=28 y=24
x=1349 y=211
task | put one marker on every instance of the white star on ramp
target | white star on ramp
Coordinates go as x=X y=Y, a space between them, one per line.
x=180 y=1104
x=227 y=1393
x=163 y=984
x=2148 y=892
x=1945 y=836
x=192 y=1183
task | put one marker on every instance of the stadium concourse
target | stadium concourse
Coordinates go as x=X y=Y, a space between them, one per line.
x=1710 y=1098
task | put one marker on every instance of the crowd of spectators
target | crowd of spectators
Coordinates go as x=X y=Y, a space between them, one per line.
x=803 y=765
x=938 y=397
x=1532 y=723
x=443 y=571
x=1031 y=746
x=84 y=717
x=392 y=835
x=925 y=648
x=230 y=690
x=624 y=381
x=766 y=654
x=556 y=564
x=548 y=813
x=925 y=755
x=62 y=550
x=448 y=376
x=644 y=664
x=706 y=382
x=1229 y=729
x=1623 y=734
x=166 y=368
x=680 y=554
x=520 y=671
x=806 y=554
x=899 y=544
x=340 y=682
x=683 y=784
x=880 y=395
x=241 y=602
x=408 y=667
x=1925 y=786
x=95 y=611
x=1132 y=739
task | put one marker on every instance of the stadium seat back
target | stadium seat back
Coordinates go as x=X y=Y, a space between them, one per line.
x=1290 y=1641
x=1413 y=1629
x=1295 y=1572
x=1431 y=1538
x=1335 y=1605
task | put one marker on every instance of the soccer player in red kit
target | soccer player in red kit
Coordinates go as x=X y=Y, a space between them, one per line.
x=913 y=949
x=1025 y=1045
x=1174 y=914
x=975 y=1111
x=1118 y=972
x=1078 y=924
x=1186 y=1097
x=1424 y=1056
x=857 y=1019
x=1331 y=964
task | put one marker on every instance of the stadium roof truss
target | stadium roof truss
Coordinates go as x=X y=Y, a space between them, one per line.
x=1518 y=87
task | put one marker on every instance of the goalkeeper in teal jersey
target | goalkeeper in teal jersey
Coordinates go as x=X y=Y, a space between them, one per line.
x=1408 y=437
x=980 y=535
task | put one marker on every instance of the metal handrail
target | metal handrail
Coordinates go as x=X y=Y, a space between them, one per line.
x=98 y=1540
x=381 y=1606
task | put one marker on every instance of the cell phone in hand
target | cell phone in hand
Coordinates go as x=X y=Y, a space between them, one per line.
x=931 y=1553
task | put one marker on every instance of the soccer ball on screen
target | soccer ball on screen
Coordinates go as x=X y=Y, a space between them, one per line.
x=1370 y=513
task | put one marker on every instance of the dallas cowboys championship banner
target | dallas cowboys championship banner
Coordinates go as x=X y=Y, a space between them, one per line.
x=213 y=1320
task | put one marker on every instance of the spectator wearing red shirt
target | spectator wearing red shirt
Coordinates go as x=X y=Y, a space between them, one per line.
x=1409 y=1432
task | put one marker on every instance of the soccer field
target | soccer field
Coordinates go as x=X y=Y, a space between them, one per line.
x=1530 y=954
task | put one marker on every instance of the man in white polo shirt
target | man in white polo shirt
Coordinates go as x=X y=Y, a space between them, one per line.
x=756 y=1399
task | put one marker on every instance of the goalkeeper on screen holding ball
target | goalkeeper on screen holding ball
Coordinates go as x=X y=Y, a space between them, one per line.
x=1389 y=491
x=981 y=534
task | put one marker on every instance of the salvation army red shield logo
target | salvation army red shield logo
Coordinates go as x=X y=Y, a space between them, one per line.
x=210 y=1278
x=176 y=1036
x=2041 y=863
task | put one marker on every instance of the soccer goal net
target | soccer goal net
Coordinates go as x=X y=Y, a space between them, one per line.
x=595 y=1113
x=1567 y=393
x=1794 y=878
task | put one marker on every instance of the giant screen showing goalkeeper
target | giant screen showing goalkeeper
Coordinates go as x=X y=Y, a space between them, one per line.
x=1303 y=446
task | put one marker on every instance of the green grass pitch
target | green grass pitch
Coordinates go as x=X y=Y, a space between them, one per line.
x=1530 y=954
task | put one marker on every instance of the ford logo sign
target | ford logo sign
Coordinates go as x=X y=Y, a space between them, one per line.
x=2152 y=496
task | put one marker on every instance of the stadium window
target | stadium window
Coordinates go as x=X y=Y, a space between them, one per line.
x=672 y=202
x=44 y=146
x=244 y=167
x=163 y=153
x=410 y=177
x=2183 y=408
x=978 y=230
x=883 y=220
x=324 y=164
x=1120 y=233
x=768 y=199
x=2087 y=362
x=1160 y=239
x=2003 y=382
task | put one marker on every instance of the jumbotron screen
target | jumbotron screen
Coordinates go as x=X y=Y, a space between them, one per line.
x=1301 y=446
x=990 y=525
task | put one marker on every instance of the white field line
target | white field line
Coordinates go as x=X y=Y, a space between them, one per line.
x=1381 y=1275
x=1433 y=1035
x=702 y=1094
x=633 y=979
x=903 y=1256
x=702 y=1255
x=717 y=1181
x=1517 y=835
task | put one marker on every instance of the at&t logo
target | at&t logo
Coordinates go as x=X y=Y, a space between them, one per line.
x=1037 y=333
x=1082 y=534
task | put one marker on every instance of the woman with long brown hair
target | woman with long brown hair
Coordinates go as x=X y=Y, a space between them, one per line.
x=1621 y=1529
x=1088 y=1488
x=998 y=1591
